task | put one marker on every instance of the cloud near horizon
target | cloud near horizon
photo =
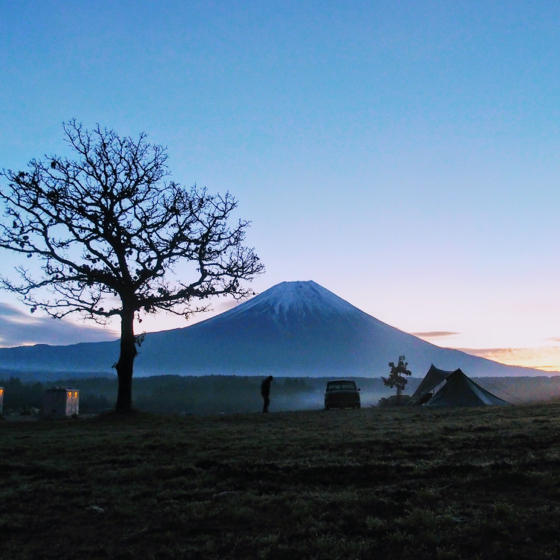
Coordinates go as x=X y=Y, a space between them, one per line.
x=21 y=329
x=546 y=358
x=434 y=334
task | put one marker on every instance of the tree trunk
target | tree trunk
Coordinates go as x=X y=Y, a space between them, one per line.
x=125 y=364
x=399 y=390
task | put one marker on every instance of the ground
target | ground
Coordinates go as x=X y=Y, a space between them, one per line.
x=384 y=483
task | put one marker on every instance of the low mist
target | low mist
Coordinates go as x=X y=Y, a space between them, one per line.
x=219 y=394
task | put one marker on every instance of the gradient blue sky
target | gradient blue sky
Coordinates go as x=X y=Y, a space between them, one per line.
x=404 y=155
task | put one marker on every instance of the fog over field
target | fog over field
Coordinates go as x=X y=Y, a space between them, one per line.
x=204 y=395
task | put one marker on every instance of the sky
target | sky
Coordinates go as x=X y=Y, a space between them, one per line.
x=404 y=154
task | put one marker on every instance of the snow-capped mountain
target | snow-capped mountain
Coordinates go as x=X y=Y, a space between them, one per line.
x=294 y=328
x=293 y=298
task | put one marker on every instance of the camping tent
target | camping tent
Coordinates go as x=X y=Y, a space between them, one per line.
x=457 y=390
x=431 y=380
x=460 y=390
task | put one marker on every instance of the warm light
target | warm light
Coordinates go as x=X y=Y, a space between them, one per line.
x=545 y=358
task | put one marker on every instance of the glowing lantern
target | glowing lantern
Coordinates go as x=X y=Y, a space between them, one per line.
x=1 y=399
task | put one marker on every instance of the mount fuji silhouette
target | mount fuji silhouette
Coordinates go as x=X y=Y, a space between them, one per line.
x=291 y=329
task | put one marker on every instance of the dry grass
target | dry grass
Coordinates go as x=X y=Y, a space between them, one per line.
x=406 y=483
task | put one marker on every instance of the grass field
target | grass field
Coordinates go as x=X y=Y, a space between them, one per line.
x=371 y=483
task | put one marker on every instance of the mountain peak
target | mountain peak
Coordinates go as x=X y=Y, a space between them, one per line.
x=293 y=328
x=296 y=297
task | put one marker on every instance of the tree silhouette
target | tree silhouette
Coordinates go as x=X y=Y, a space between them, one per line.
x=396 y=378
x=109 y=230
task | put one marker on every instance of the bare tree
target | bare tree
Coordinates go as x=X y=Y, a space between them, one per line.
x=109 y=229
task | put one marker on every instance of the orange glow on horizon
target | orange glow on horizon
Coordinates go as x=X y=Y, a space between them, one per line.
x=545 y=358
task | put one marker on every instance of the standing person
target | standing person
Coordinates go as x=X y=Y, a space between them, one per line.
x=265 y=392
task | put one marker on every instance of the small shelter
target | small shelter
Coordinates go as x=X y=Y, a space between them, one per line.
x=452 y=388
x=431 y=380
x=61 y=402
x=1 y=399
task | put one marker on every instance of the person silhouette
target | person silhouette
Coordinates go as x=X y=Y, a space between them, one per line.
x=265 y=392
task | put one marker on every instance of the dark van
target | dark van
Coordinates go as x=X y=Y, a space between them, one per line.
x=342 y=394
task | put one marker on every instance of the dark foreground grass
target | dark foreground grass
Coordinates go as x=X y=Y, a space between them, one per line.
x=407 y=483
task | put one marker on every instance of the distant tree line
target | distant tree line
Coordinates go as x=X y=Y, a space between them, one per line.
x=215 y=394
x=212 y=394
x=19 y=395
x=158 y=394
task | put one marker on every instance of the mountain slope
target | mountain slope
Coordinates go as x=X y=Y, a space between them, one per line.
x=294 y=328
